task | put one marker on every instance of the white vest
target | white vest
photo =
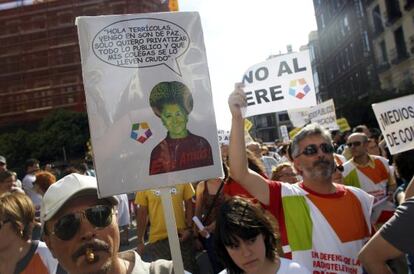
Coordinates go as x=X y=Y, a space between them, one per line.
x=313 y=243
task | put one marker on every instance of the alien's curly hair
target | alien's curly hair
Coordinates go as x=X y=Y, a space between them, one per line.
x=173 y=92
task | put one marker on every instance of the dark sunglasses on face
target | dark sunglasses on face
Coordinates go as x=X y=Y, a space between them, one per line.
x=312 y=149
x=340 y=168
x=67 y=226
x=354 y=144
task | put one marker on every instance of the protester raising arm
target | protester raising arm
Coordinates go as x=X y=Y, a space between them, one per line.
x=250 y=180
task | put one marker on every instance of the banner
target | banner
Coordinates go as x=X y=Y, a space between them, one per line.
x=248 y=138
x=280 y=83
x=284 y=133
x=223 y=137
x=247 y=124
x=294 y=131
x=396 y=120
x=322 y=114
x=149 y=100
x=343 y=124
x=299 y=116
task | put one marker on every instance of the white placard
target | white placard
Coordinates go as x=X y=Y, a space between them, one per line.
x=149 y=100
x=280 y=83
x=223 y=137
x=396 y=120
x=284 y=132
x=299 y=116
x=323 y=114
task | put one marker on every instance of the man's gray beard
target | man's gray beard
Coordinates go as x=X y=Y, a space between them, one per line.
x=321 y=170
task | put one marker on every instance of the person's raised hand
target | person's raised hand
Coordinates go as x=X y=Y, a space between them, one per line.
x=204 y=232
x=237 y=99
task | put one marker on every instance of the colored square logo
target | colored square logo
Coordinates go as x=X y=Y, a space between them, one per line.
x=299 y=88
x=140 y=132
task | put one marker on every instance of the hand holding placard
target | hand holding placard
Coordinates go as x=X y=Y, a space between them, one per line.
x=200 y=225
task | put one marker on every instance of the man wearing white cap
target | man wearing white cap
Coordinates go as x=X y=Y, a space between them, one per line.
x=81 y=230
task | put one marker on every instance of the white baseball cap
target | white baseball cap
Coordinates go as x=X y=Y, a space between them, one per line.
x=67 y=188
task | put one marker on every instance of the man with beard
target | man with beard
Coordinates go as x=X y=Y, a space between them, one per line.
x=372 y=174
x=81 y=230
x=323 y=225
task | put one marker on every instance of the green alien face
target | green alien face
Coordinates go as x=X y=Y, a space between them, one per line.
x=175 y=119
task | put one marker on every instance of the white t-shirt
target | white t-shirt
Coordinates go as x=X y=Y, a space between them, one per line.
x=289 y=266
x=286 y=266
x=123 y=210
x=36 y=198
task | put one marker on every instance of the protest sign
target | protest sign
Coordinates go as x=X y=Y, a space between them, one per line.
x=284 y=133
x=149 y=100
x=223 y=137
x=322 y=114
x=280 y=83
x=299 y=116
x=294 y=131
x=248 y=138
x=396 y=120
x=343 y=124
x=247 y=124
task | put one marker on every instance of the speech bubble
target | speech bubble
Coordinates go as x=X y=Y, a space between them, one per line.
x=141 y=43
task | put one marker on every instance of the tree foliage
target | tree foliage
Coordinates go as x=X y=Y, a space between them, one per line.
x=60 y=131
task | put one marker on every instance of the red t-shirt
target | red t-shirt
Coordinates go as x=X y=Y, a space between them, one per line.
x=180 y=154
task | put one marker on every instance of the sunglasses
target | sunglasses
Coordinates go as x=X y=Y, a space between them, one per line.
x=67 y=226
x=312 y=149
x=354 y=144
x=340 y=168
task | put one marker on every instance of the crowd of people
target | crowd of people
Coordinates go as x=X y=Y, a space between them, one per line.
x=325 y=202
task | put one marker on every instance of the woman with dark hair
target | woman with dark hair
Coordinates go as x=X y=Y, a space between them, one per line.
x=247 y=243
x=172 y=102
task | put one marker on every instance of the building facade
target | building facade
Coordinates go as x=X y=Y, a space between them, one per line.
x=346 y=70
x=39 y=54
x=392 y=25
x=315 y=57
x=266 y=127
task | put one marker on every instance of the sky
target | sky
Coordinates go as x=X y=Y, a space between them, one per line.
x=239 y=34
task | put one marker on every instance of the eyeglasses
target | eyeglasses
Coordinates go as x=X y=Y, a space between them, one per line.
x=354 y=144
x=4 y=222
x=312 y=149
x=67 y=226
